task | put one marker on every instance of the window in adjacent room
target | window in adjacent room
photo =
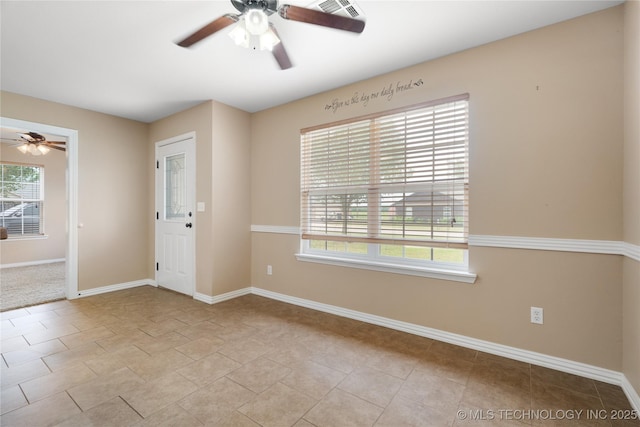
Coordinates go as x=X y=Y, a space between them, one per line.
x=22 y=199
x=389 y=188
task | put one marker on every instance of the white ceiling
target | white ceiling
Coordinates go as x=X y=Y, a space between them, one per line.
x=120 y=57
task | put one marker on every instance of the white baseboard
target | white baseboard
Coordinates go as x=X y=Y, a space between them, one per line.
x=222 y=297
x=117 y=287
x=30 y=263
x=534 y=358
x=631 y=393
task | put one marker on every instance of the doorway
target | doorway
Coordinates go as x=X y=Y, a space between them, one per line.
x=71 y=190
x=175 y=214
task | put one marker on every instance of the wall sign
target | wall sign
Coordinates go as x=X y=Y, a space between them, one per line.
x=387 y=93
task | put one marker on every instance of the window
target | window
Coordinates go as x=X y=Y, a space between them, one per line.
x=21 y=199
x=391 y=187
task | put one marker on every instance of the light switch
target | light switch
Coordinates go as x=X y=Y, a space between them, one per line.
x=200 y=206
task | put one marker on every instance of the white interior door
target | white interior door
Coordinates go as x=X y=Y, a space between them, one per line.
x=175 y=214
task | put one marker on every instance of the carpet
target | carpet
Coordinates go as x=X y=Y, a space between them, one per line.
x=34 y=284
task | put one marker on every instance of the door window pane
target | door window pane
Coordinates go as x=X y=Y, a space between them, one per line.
x=175 y=187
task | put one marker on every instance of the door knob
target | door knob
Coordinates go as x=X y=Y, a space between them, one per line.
x=188 y=225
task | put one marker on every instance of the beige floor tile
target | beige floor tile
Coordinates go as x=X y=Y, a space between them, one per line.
x=245 y=350
x=49 y=411
x=158 y=364
x=613 y=397
x=102 y=389
x=13 y=344
x=171 y=416
x=22 y=321
x=64 y=359
x=22 y=373
x=193 y=317
x=11 y=331
x=50 y=306
x=371 y=385
x=56 y=382
x=12 y=398
x=232 y=332
x=124 y=339
x=113 y=413
x=203 y=329
x=217 y=401
x=49 y=334
x=161 y=328
x=252 y=361
x=563 y=379
x=453 y=351
x=279 y=405
x=259 y=374
x=393 y=362
x=162 y=343
x=550 y=396
x=236 y=419
x=34 y=352
x=432 y=390
x=340 y=408
x=200 y=348
x=313 y=379
x=208 y=369
x=109 y=362
x=500 y=371
x=409 y=413
x=495 y=397
x=339 y=358
x=12 y=314
x=157 y=394
x=456 y=369
x=86 y=336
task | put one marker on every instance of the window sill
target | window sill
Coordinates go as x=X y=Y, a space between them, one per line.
x=17 y=238
x=433 y=273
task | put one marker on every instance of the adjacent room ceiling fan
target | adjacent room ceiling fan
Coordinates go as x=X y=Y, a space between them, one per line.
x=36 y=144
x=254 y=29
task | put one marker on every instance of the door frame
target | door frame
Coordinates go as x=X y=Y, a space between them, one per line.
x=190 y=138
x=71 y=153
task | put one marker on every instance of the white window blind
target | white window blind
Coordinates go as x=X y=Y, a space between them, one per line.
x=399 y=177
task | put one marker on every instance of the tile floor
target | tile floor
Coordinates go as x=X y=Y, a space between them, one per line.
x=150 y=357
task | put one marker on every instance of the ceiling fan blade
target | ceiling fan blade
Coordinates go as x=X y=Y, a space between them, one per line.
x=55 y=147
x=209 y=29
x=56 y=142
x=279 y=52
x=310 y=16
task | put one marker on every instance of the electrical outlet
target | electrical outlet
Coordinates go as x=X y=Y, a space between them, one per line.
x=269 y=270
x=537 y=315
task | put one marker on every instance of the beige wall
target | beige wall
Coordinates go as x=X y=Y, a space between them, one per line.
x=113 y=189
x=54 y=246
x=223 y=171
x=631 y=284
x=545 y=161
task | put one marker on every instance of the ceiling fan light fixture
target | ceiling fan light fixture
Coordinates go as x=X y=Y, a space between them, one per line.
x=43 y=149
x=256 y=22
x=268 y=40
x=239 y=34
x=24 y=148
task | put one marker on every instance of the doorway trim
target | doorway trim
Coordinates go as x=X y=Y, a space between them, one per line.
x=71 y=250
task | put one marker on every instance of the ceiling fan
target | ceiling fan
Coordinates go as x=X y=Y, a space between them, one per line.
x=36 y=144
x=254 y=29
